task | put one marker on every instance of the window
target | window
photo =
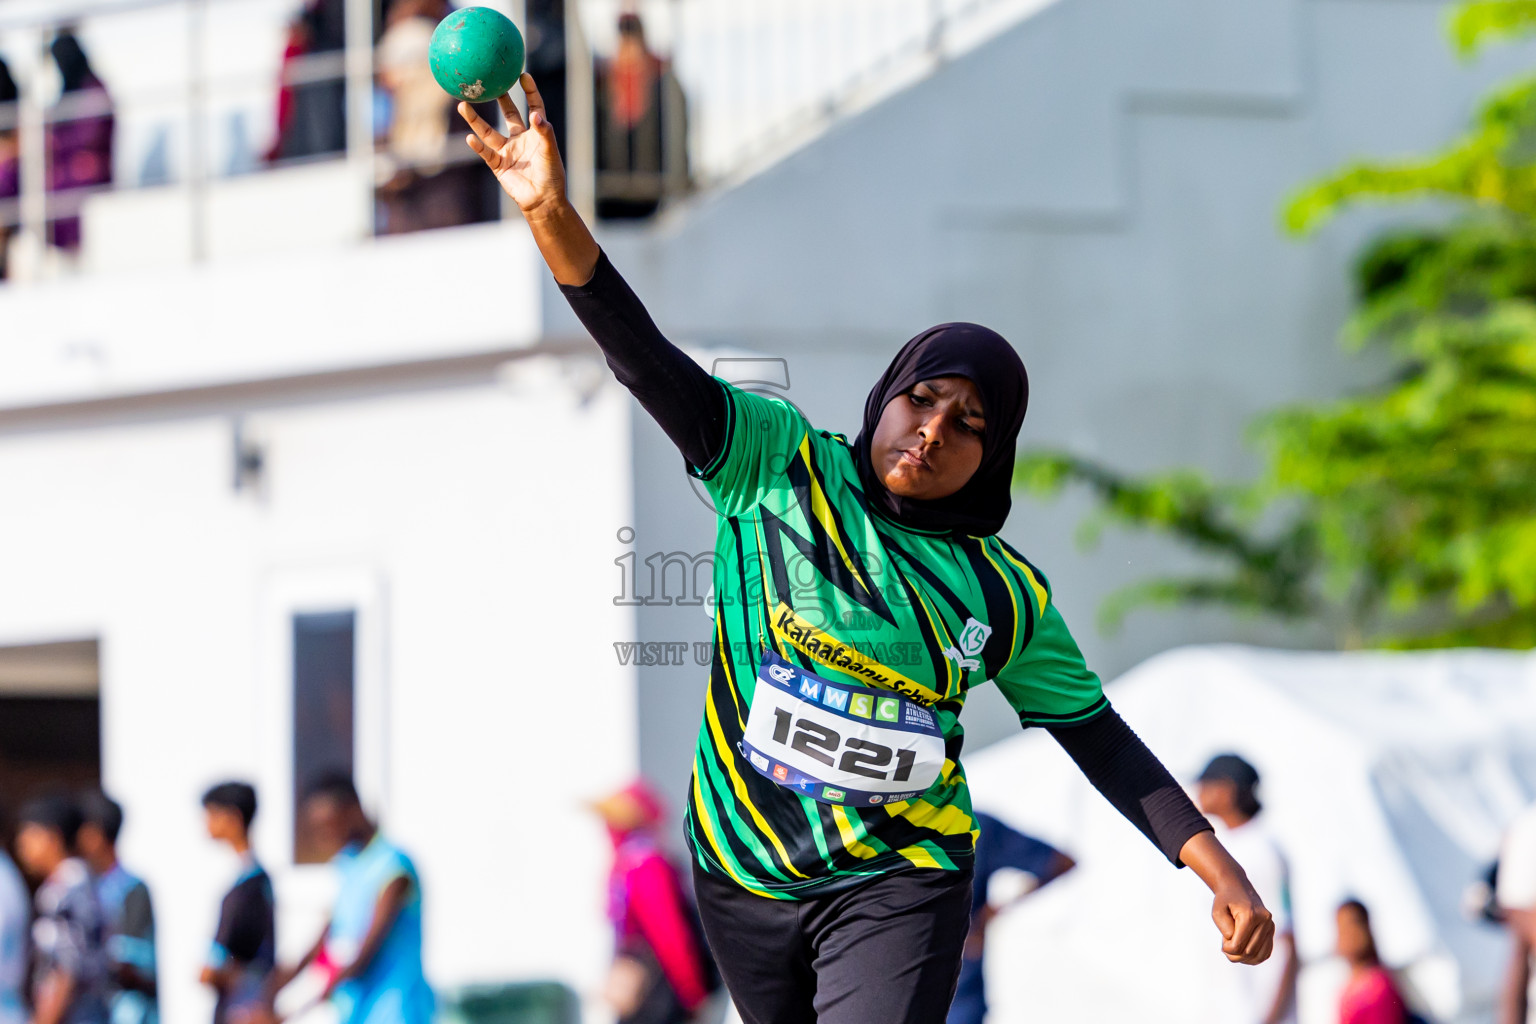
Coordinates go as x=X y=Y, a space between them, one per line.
x=50 y=720
x=324 y=678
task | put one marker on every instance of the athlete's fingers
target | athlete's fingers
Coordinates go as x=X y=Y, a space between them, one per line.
x=488 y=135
x=1262 y=941
x=535 y=101
x=1232 y=945
x=1221 y=913
x=1263 y=950
x=491 y=157
x=510 y=112
x=1242 y=929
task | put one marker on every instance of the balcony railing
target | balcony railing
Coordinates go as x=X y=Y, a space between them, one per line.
x=193 y=87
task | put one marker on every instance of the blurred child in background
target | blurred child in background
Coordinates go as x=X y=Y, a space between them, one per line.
x=373 y=939
x=128 y=912
x=1227 y=792
x=661 y=972
x=15 y=917
x=69 y=955
x=1370 y=996
x=244 y=949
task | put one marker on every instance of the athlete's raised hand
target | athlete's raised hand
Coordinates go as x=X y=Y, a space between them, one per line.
x=1246 y=925
x=525 y=160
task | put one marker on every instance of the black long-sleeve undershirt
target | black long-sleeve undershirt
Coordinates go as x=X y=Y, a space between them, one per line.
x=680 y=395
x=1122 y=768
x=689 y=405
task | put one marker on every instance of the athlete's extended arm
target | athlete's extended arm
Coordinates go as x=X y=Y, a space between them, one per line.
x=1121 y=767
x=1129 y=775
x=685 y=400
x=1247 y=927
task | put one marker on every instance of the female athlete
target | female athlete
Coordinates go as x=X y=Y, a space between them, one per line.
x=861 y=590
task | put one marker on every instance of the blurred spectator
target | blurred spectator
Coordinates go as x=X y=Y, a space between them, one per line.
x=420 y=192
x=1515 y=894
x=636 y=94
x=998 y=849
x=1370 y=996
x=79 y=136
x=373 y=940
x=418 y=125
x=129 y=914
x=1227 y=793
x=15 y=918
x=69 y=956
x=244 y=949
x=10 y=168
x=311 y=114
x=661 y=972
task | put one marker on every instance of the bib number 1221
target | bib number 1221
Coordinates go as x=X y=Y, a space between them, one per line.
x=859 y=757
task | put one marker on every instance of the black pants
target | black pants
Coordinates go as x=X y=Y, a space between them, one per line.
x=885 y=952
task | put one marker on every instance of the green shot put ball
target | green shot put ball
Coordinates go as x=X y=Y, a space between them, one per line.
x=476 y=54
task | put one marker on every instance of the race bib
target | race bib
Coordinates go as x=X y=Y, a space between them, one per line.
x=838 y=743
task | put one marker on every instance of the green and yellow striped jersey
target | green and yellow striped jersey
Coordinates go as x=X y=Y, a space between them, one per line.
x=804 y=568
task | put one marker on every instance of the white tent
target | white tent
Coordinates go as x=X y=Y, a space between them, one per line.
x=1386 y=776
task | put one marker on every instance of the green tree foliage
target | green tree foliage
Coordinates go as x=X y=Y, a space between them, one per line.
x=1404 y=515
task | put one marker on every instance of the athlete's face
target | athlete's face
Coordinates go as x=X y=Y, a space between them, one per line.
x=928 y=441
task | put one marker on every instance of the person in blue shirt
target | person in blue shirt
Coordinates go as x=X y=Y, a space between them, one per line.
x=997 y=847
x=372 y=944
x=130 y=916
x=15 y=921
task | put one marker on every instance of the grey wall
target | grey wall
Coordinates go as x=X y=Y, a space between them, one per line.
x=1101 y=184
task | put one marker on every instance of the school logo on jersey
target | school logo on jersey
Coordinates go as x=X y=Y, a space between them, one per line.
x=972 y=639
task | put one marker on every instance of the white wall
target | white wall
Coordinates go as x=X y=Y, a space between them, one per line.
x=300 y=310
x=474 y=525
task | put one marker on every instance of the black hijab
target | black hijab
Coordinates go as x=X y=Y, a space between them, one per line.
x=74 y=68
x=8 y=90
x=984 y=357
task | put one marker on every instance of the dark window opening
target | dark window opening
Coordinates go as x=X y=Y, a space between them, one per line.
x=324 y=676
x=50 y=722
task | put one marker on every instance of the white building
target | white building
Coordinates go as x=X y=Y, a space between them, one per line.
x=214 y=472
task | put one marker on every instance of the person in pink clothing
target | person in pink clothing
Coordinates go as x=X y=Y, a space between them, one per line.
x=661 y=972
x=79 y=138
x=1370 y=996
